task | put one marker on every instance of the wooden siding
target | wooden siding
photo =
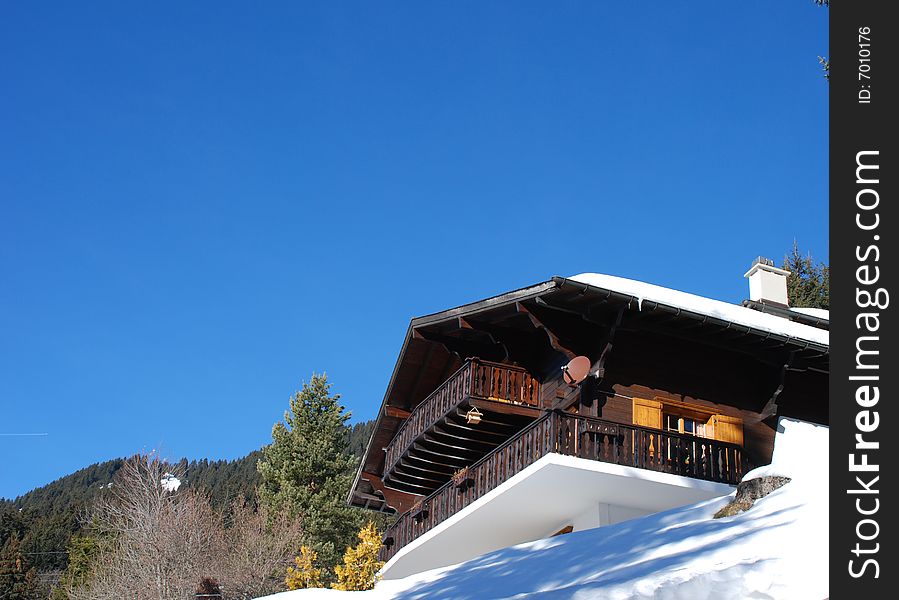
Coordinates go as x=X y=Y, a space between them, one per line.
x=758 y=434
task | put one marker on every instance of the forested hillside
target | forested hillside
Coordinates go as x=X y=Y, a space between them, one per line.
x=45 y=518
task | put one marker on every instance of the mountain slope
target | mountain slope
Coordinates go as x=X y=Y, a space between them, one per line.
x=46 y=517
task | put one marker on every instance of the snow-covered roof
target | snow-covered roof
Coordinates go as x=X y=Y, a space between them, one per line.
x=707 y=306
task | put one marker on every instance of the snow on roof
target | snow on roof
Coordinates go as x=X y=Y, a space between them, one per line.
x=707 y=306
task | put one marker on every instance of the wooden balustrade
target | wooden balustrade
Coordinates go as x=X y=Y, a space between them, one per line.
x=574 y=435
x=475 y=379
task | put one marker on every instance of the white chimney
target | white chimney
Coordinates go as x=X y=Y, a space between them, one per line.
x=767 y=283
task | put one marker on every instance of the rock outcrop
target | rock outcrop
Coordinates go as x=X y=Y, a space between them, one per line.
x=750 y=491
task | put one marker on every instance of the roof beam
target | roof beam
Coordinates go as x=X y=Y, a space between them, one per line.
x=398 y=501
x=464 y=348
x=506 y=408
x=554 y=340
x=396 y=412
x=413 y=394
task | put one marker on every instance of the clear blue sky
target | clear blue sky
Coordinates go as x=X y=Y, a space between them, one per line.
x=203 y=203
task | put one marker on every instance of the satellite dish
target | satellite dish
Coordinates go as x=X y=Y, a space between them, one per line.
x=576 y=370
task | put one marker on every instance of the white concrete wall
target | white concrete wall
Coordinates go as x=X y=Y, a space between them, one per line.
x=602 y=514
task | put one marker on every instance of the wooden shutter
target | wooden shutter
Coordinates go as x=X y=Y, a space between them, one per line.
x=727 y=429
x=648 y=413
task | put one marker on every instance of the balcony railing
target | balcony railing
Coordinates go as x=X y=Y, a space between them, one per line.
x=476 y=379
x=573 y=435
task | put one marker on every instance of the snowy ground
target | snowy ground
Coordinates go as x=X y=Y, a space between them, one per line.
x=776 y=550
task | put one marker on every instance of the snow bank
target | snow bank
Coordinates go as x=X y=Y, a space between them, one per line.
x=775 y=550
x=705 y=306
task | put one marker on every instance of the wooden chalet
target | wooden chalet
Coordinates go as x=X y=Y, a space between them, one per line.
x=678 y=385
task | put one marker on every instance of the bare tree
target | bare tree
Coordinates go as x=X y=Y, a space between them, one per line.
x=160 y=540
x=260 y=547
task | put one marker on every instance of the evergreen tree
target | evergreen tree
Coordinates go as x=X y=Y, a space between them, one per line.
x=82 y=552
x=17 y=579
x=808 y=285
x=360 y=563
x=308 y=469
x=306 y=574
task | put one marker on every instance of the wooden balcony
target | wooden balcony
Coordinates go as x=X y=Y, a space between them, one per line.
x=437 y=438
x=573 y=435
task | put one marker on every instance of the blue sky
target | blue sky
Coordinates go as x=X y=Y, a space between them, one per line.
x=203 y=203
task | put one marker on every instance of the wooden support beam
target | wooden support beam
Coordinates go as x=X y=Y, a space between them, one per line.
x=770 y=408
x=413 y=394
x=464 y=348
x=397 y=500
x=525 y=347
x=426 y=465
x=452 y=424
x=368 y=497
x=421 y=478
x=506 y=408
x=471 y=437
x=597 y=369
x=435 y=462
x=486 y=420
x=396 y=412
x=410 y=462
x=443 y=458
x=554 y=340
x=460 y=451
x=408 y=488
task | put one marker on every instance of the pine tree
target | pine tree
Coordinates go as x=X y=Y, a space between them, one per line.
x=17 y=579
x=82 y=552
x=808 y=285
x=306 y=574
x=308 y=469
x=360 y=563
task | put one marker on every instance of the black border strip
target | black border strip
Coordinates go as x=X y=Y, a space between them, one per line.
x=863 y=261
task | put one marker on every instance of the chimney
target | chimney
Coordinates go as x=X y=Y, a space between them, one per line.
x=767 y=283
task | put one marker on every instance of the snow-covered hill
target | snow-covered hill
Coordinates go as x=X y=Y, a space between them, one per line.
x=775 y=550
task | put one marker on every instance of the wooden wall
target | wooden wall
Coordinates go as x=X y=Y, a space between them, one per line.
x=679 y=373
x=758 y=435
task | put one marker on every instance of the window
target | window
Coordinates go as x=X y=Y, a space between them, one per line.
x=680 y=424
x=687 y=419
